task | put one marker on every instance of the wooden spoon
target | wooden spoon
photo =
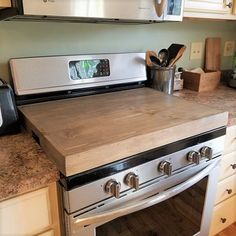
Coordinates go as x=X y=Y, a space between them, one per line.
x=150 y=58
x=177 y=57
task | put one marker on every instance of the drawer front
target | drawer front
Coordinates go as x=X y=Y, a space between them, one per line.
x=226 y=189
x=228 y=165
x=28 y=214
x=230 y=140
x=224 y=215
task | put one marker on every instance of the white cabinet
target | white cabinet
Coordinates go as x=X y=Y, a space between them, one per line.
x=215 y=9
x=34 y=213
x=224 y=215
x=5 y=3
x=225 y=205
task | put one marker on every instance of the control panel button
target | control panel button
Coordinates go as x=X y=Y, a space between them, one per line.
x=112 y=187
x=206 y=152
x=165 y=167
x=132 y=180
x=194 y=157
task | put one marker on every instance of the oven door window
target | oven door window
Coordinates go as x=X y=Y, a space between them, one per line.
x=178 y=216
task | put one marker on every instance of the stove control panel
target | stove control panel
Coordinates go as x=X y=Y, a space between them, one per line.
x=164 y=166
x=88 y=69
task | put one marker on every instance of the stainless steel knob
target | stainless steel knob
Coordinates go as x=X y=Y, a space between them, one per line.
x=206 y=152
x=194 y=157
x=112 y=187
x=165 y=167
x=132 y=180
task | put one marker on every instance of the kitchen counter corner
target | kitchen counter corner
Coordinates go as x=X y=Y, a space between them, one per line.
x=24 y=166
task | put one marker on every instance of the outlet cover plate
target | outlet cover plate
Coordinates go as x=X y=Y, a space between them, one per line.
x=196 y=50
x=229 y=48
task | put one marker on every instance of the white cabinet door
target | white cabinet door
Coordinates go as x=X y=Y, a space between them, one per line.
x=230 y=140
x=216 y=9
x=224 y=215
x=228 y=166
x=26 y=214
x=226 y=189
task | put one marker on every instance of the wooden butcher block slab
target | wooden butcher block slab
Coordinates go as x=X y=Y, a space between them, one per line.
x=82 y=133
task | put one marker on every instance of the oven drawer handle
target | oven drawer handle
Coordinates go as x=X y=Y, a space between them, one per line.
x=112 y=214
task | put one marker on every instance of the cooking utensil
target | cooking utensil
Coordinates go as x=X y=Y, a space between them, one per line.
x=163 y=56
x=178 y=52
x=152 y=59
x=156 y=61
x=173 y=51
x=213 y=54
x=148 y=55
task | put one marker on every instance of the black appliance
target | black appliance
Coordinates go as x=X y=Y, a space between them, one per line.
x=9 y=121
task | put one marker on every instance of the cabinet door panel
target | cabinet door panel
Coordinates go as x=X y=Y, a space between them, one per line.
x=224 y=215
x=228 y=165
x=226 y=189
x=230 y=140
x=26 y=214
x=209 y=6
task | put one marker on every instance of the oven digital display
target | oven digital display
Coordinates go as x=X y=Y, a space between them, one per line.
x=88 y=69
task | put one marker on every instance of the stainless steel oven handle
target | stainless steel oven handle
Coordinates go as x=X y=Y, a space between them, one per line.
x=112 y=214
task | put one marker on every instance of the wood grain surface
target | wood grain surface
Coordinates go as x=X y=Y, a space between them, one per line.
x=86 y=132
x=213 y=54
x=229 y=231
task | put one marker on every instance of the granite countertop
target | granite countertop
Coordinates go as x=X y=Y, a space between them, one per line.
x=223 y=98
x=24 y=166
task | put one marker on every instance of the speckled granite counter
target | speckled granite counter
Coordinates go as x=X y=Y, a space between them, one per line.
x=23 y=166
x=223 y=98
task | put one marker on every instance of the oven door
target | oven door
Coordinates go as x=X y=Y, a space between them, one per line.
x=184 y=209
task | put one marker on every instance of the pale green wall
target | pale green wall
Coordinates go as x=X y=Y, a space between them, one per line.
x=24 y=39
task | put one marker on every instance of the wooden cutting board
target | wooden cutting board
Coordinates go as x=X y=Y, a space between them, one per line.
x=82 y=133
x=213 y=54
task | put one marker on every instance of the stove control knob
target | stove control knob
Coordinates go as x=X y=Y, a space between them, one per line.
x=132 y=180
x=206 y=152
x=165 y=167
x=194 y=157
x=112 y=187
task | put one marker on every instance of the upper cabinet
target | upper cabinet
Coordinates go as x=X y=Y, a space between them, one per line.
x=211 y=9
x=5 y=3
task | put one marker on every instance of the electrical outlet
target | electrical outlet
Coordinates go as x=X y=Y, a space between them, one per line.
x=196 y=51
x=229 y=48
